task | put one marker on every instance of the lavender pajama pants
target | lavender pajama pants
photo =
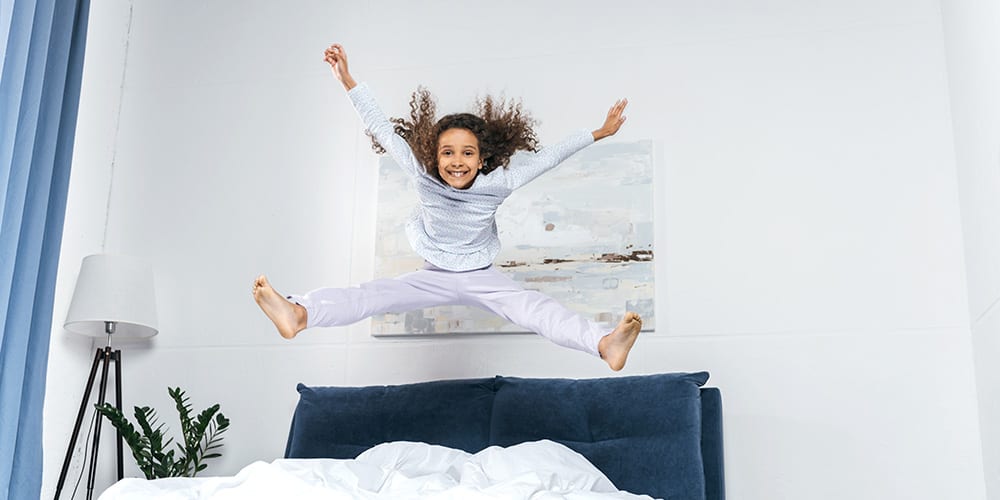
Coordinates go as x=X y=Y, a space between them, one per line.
x=484 y=288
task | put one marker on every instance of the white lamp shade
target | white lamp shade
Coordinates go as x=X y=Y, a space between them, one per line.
x=113 y=288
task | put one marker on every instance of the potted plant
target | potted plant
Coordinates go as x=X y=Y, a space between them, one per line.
x=201 y=434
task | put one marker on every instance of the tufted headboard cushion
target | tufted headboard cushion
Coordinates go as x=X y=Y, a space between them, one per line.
x=342 y=422
x=644 y=432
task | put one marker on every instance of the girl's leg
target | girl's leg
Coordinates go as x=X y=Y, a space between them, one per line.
x=343 y=306
x=534 y=311
x=540 y=313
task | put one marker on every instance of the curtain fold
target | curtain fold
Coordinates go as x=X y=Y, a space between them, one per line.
x=39 y=96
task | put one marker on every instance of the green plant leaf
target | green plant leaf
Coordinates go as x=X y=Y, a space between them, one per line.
x=183 y=409
x=138 y=444
x=150 y=448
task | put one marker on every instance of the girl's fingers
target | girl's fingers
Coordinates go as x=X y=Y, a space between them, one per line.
x=336 y=49
x=615 y=116
x=618 y=108
x=335 y=56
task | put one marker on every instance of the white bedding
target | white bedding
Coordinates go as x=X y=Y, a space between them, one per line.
x=541 y=470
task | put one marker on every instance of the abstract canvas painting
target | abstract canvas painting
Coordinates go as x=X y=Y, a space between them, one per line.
x=581 y=233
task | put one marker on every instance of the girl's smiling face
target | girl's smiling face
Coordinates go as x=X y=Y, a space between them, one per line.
x=458 y=157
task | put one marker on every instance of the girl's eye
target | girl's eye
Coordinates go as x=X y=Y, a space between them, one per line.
x=447 y=153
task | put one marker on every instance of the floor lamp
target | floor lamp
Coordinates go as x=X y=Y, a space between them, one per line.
x=114 y=297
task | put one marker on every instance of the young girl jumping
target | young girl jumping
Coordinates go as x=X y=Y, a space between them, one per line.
x=460 y=165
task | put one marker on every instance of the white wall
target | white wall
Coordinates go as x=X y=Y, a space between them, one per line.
x=972 y=40
x=808 y=231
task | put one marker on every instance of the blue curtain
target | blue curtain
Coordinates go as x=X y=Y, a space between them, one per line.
x=43 y=44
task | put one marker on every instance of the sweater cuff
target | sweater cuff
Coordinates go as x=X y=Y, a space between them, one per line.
x=358 y=93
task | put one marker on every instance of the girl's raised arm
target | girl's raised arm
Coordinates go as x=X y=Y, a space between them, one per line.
x=370 y=112
x=529 y=167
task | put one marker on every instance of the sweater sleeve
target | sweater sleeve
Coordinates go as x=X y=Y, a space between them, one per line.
x=382 y=129
x=525 y=168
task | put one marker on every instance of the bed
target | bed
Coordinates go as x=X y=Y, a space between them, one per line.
x=659 y=435
x=649 y=436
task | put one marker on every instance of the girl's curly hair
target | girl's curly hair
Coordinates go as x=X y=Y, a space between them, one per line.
x=502 y=128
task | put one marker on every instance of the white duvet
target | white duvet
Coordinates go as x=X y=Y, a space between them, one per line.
x=540 y=470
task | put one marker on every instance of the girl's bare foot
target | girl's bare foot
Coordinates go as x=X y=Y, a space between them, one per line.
x=290 y=318
x=615 y=346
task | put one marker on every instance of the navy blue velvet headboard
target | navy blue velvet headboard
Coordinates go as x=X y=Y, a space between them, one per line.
x=659 y=435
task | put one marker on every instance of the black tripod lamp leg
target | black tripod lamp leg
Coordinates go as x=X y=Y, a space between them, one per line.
x=117 y=357
x=79 y=422
x=106 y=352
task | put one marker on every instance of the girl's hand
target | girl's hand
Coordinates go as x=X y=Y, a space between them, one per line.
x=613 y=122
x=336 y=57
